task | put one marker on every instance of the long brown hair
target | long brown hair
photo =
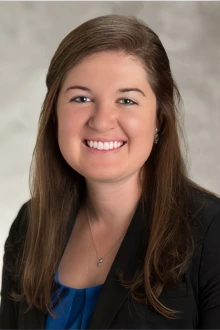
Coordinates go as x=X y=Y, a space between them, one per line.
x=55 y=186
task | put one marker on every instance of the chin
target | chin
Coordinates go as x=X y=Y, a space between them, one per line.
x=103 y=177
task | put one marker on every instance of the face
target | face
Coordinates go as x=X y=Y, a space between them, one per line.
x=106 y=114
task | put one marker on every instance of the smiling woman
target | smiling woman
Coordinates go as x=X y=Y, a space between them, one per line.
x=115 y=236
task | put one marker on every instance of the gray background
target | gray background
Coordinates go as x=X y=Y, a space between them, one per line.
x=30 y=33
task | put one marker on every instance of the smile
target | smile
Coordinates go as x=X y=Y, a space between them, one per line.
x=104 y=145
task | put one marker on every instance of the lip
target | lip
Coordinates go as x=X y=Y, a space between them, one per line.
x=105 y=140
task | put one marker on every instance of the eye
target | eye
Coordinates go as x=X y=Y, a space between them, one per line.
x=128 y=102
x=79 y=99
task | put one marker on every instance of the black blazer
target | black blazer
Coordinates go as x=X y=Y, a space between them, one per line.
x=197 y=297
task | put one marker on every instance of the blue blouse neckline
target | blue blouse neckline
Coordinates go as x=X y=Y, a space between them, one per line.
x=75 y=289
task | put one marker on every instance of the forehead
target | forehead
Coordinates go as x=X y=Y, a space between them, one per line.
x=107 y=67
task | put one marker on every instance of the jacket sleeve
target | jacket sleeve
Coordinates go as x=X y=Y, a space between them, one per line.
x=12 y=248
x=209 y=278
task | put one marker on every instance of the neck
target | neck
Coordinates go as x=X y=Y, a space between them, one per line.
x=112 y=205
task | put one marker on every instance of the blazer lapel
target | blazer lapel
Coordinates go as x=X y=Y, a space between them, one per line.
x=112 y=294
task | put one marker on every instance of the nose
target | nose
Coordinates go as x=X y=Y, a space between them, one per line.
x=103 y=118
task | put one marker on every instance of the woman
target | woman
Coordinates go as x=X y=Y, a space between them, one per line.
x=115 y=235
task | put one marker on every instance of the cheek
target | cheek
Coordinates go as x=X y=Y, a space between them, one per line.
x=141 y=127
x=69 y=122
x=66 y=135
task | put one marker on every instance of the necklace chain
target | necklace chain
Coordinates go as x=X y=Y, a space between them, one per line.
x=100 y=260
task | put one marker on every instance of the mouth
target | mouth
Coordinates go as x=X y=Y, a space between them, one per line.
x=98 y=145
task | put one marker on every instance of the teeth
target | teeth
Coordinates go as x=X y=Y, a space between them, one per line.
x=100 y=146
x=105 y=145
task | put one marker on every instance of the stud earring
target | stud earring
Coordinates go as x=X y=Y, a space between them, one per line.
x=156 y=136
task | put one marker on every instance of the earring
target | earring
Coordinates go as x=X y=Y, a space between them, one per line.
x=156 y=136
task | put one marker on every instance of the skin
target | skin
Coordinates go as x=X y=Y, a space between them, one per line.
x=104 y=113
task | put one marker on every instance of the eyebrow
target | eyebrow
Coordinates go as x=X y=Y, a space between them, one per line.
x=121 y=90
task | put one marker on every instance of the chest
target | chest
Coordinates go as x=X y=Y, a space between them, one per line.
x=78 y=266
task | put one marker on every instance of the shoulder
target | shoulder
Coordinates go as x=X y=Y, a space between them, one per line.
x=16 y=237
x=19 y=225
x=204 y=212
x=205 y=270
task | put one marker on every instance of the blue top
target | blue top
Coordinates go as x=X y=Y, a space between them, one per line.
x=73 y=307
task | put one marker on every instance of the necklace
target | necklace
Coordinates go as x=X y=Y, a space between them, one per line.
x=100 y=260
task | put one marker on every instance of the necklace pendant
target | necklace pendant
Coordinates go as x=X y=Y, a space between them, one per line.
x=100 y=262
